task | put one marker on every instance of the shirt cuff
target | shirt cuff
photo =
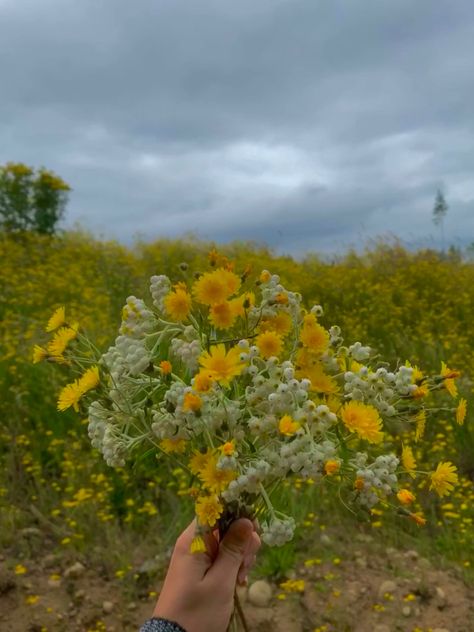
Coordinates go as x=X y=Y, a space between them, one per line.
x=161 y=625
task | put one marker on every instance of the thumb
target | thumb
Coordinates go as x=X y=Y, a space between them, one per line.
x=232 y=550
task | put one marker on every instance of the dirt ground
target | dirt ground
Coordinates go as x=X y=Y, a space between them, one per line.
x=372 y=589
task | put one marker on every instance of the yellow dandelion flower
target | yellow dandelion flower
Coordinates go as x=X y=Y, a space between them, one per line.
x=364 y=420
x=214 y=479
x=265 y=276
x=31 y=600
x=208 y=510
x=408 y=460
x=269 y=343
x=287 y=426
x=39 y=354
x=202 y=382
x=313 y=336
x=192 y=403
x=215 y=287
x=332 y=467
x=280 y=324
x=178 y=304
x=418 y=518
x=420 y=420
x=420 y=391
x=90 y=379
x=444 y=478
x=197 y=545
x=405 y=496
x=242 y=303
x=60 y=341
x=220 y=365
x=171 y=446
x=166 y=367
x=228 y=448
x=449 y=376
x=20 y=569
x=461 y=411
x=70 y=396
x=222 y=315
x=57 y=320
x=200 y=460
x=359 y=484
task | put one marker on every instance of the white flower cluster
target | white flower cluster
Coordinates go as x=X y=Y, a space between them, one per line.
x=105 y=435
x=187 y=352
x=160 y=285
x=275 y=298
x=278 y=531
x=379 y=478
x=380 y=388
x=137 y=319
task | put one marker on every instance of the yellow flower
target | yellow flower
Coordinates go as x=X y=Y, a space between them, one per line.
x=408 y=460
x=222 y=315
x=405 y=496
x=20 y=569
x=166 y=367
x=215 y=287
x=70 y=396
x=60 y=341
x=173 y=445
x=269 y=343
x=449 y=376
x=313 y=336
x=57 y=319
x=202 y=382
x=192 y=402
x=216 y=480
x=420 y=424
x=461 y=411
x=242 y=302
x=200 y=460
x=90 y=379
x=228 y=448
x=364 y=420
x=198 y=545
x=178 y=304
x=31 y=600
x=287 y=426
x=39 y=354
x=222 y=366
x=265 y=276
x=208 y=510
x=280 y=324
x=332 y=467
x=418 y=518
x=444 y=478
x=359 y=484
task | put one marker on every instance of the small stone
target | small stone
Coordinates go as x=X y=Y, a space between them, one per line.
x=79 y=595
x=388 y=586
x=260 y=593
x=107 y=607
x=54 y=583
x=49 y=560
x=412 y=555
x=74 y=571
x=325 y=539
x=406 y=611
x=361 y=562
x=440 y=597
x=132 y=606
x=364 y=537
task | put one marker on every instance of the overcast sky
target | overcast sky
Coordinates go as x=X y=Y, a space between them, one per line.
x=306 y=124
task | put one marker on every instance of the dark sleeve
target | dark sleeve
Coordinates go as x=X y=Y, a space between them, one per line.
x=161 y=625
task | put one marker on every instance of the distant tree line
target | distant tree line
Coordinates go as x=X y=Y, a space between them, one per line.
x=31 y=200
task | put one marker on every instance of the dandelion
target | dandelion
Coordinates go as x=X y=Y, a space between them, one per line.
x=166 y=367
x=280 y=324
x=57 y=320
x=287 y=426
x=228 y=448
x=171 y=446
x=192 y=403
x=461 y=411
x=444 y=478
x=449 y=376
x=214 y=479
x=198 y=545
x=222 y=366
x=70 y=396
x=178 y=304
x=405 y=496
x=420 y=420
x=90 y=379
x=222 y=315
x=20 y=569
x=331 y=467
x=60 y=341
x=418 y=518
x=213 y=288
x=202 y=382
x=313 y=336
x=39 y=354
x=269 y=344
x=364 y=420
x=409 y=461
x=208 y=510
x=200 y=460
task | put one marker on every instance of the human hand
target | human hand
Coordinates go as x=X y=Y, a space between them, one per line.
x=198 y=592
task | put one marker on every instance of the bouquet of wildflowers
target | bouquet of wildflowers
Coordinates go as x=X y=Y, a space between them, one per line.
x=243 y=386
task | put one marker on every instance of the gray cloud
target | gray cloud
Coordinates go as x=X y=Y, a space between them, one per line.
x=308 y=124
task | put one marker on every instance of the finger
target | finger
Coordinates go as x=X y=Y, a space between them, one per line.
x=231 y=554
x=192 y=565
x=249 y=558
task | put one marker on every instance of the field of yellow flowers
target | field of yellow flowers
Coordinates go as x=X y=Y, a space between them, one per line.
x=416 y=305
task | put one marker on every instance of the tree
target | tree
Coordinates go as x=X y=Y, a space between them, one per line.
x=440 y=209
x=31 y=200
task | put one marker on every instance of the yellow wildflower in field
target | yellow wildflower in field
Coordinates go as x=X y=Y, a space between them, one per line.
x=408 y=460
x=192 y=402
x=208 y=510
x=287 y=426
x=90 y=379
x=444 y=478
x=293 y=585
x=449 y=376
x=222 y=315
x=280 y=324
x=420 y=420
x=213 y=288
x=200 y=460
x=173 y=445
x=364 y=420
x=418 y=518
x=214 y=479
x=70 y=396
x=178 y=304
x=313 y=336
x=228 y=448
x=60 y=341
x=222 y=366
x=20 y=569
x=202 y=382
x=242 y=303
x=269 y=343
x=461 y=411
x=166 y=367
x=332 y=467
x=405 y=496
x=57 y=320
x=198 y=545
x=39 y=354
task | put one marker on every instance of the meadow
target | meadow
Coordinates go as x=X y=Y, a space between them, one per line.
x=406 y=305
